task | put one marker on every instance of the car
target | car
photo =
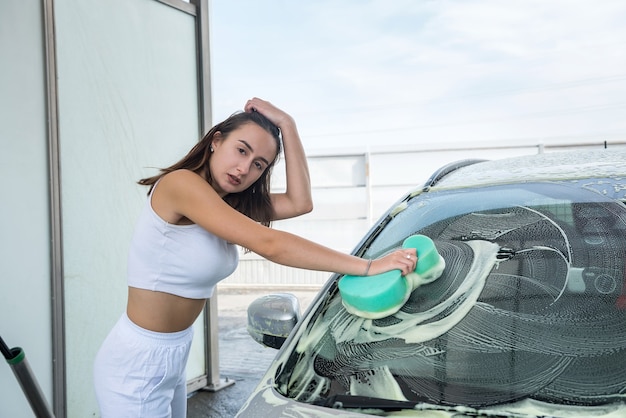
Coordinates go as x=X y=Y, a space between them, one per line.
x=528 y=318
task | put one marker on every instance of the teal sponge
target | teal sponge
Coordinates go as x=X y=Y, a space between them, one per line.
x=374 y=296
x=381 y=295
x=430 y=264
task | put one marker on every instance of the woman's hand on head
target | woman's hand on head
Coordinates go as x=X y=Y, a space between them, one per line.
x=404 y=260
x=275 y=115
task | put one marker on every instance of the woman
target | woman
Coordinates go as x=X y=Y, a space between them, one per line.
x=184 y=244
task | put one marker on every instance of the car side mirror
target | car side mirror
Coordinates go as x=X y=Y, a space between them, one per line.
x=271 y=318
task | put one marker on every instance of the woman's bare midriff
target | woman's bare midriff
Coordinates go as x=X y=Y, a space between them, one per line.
x=162 y=312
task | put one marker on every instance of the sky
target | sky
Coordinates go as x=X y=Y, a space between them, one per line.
x=364 y=73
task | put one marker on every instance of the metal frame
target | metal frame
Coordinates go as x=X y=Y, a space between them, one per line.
x=59 y=383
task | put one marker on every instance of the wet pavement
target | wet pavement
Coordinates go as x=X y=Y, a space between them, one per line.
x=242 y=359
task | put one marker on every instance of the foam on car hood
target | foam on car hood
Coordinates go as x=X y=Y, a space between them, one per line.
x=570 y=165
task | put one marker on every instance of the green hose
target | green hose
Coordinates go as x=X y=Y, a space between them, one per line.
x=17 y=356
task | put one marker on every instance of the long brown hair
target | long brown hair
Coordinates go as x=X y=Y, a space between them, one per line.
x=253 y=202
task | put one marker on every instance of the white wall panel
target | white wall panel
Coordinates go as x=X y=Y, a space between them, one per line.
x=256 y=272
x=338 y=234
x=127 y=102
x=338 y=203
x=25 y=288
x=327 y=171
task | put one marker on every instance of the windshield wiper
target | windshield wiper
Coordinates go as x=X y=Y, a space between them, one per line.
x=388 y=405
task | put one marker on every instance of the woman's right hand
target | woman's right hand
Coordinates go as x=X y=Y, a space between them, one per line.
x=275 y=115
x=404 y=260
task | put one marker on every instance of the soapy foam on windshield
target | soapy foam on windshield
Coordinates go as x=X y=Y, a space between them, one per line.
x=419 y=326
x=369 y=382
x=414 y=328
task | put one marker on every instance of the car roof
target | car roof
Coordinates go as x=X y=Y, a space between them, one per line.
x=567 y=165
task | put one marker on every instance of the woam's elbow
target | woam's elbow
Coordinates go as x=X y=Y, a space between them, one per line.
x=268 y=244
x=306 y=208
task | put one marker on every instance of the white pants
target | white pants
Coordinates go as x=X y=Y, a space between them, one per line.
x=141 y=373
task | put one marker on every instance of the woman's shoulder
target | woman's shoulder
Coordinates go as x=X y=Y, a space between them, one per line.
x=185 y=184
x=181 y=179
x=176 y=191
x=182 y=173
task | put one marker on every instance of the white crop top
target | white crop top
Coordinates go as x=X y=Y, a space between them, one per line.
x=184 y=260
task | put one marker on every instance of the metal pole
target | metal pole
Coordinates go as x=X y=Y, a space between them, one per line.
x=56 y=239
x=214 y=381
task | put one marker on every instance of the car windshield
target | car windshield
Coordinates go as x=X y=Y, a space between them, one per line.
x=531 y=305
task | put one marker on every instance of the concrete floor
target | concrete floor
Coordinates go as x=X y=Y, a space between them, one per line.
x=242 y=360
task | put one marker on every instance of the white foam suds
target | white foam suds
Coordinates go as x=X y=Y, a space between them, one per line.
x=417 y=327
x=371 y=383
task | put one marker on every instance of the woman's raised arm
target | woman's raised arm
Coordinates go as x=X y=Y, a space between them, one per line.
x=296 y=200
